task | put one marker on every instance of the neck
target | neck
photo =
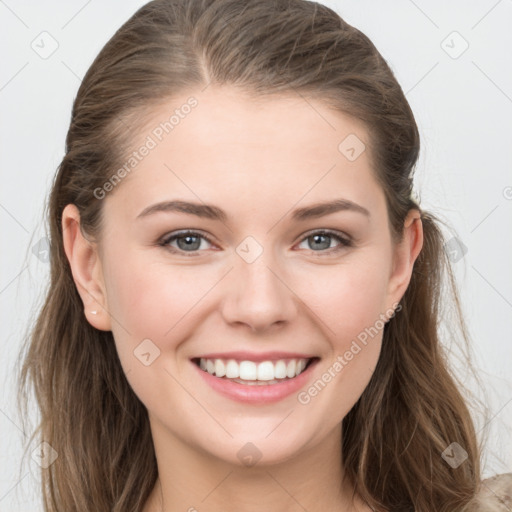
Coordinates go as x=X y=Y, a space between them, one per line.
x=193 y=481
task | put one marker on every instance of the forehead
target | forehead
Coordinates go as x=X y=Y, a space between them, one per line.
x=228 y=116
x=221 y=143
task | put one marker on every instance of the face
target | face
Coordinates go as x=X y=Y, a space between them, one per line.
x=257 y=281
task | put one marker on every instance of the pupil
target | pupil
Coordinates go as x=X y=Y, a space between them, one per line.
x=189 y=242
x=326 y=245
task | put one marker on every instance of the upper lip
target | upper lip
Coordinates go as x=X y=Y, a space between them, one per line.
x=255 y=356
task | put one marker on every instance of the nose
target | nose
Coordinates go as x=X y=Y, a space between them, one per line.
x=258 y=295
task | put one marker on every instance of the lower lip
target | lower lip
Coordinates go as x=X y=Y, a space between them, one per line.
x=262 y=394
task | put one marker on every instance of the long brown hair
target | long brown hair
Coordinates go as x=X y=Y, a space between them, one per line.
x=413 y=407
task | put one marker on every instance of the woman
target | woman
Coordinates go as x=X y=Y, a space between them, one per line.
x=197 y=350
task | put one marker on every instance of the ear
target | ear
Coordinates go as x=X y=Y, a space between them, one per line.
x=405 y=254
x=86 y=269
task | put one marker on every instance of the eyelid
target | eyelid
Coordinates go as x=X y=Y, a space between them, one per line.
x=170 y=237
x=344 y=239
x=326 y=231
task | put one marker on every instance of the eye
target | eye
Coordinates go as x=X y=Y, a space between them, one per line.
x=190 y=241
x=187 y=241
x=322 y=240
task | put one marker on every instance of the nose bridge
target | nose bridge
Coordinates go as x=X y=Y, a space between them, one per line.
x=258 y=297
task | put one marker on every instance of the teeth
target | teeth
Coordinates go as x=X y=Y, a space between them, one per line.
x=290 y=369
x=251 y=371
x=248 y=370
x=220 y=368
x=232 y=369
x=265 y=371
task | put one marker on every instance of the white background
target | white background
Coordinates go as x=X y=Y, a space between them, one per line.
x=463 y=107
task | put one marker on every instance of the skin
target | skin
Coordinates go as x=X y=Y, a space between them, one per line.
x=258 y=160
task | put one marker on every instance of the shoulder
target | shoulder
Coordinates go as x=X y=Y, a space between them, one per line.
x=495 y=495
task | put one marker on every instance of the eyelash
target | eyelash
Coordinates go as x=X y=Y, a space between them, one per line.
x=344 y=241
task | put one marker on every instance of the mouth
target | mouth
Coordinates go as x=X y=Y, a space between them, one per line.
x=255 y=373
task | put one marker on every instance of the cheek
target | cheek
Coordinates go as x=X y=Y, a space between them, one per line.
x=151 y=306
x=336 y=305
x=348 y=298
x=349 y=302
x=154 y=301
x=146 y=297
x=351 y=322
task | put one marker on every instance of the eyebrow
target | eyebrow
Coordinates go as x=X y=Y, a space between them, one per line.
x=208 y=211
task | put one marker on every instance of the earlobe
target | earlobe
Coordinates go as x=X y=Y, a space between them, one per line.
x=86 y=269
x=405 y=255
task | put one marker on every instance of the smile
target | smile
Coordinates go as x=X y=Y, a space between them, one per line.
x=263 y=381
x=251 y=372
